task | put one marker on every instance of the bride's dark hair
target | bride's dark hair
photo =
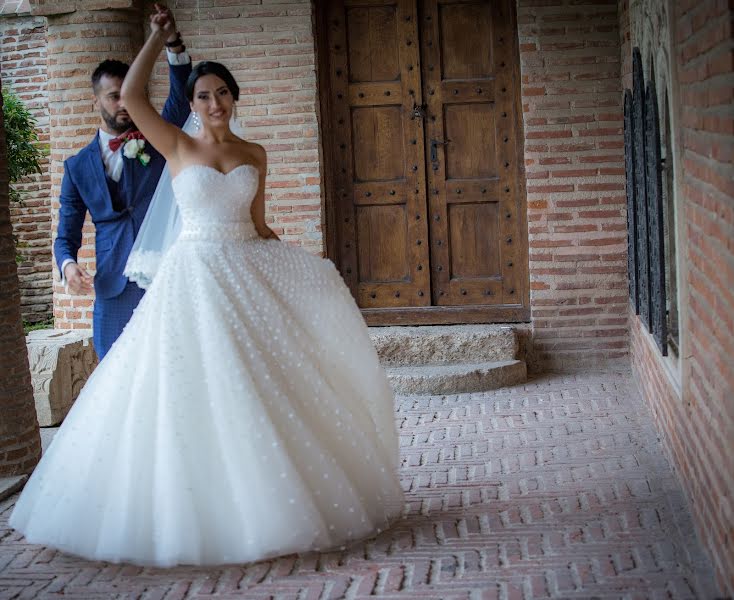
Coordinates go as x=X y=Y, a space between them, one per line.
x=209 y=67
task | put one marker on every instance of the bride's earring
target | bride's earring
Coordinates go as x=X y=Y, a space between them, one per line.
x=196 y=121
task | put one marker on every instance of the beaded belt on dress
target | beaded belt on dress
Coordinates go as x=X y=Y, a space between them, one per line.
x=219 y=232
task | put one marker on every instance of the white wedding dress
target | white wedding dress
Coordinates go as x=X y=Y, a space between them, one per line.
x=241 y=414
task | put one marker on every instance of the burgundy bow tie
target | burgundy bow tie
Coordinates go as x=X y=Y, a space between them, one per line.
x=118 y=141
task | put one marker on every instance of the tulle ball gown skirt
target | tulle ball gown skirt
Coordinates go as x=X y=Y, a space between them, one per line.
x=242 y=414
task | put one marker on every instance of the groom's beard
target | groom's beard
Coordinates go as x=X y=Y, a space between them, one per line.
x=119 y=122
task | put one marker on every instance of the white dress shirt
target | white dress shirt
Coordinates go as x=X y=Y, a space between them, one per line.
x=113 y=161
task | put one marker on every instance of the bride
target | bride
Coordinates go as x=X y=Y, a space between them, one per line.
x=243 y=412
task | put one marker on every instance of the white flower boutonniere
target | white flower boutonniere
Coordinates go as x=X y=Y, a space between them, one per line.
x=133 y=148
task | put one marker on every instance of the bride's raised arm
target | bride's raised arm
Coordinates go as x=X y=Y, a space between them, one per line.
x=164 y=137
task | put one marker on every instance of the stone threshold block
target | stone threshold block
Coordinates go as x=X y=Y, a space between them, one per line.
x=449 y=359
x=61 y=361
x=456 y=378
x=444 y=344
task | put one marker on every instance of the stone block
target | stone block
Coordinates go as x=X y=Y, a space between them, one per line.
x=457 y=378
x=61 y=361
x=444 y=344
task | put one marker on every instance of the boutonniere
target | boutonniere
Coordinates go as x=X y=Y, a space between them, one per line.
x=134 y=148
x=133 y=143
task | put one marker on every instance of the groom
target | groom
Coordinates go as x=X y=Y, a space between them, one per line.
x=114 y=178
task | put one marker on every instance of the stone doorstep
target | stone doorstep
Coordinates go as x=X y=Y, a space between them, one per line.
x=449 y=359
x=456 y=378
x=444 y=344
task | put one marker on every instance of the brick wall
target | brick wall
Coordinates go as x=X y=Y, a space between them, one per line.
x=695 y=410
x=571 y=95
x=23 y=56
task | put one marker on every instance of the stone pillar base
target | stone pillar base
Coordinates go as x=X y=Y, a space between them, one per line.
x=61 y=361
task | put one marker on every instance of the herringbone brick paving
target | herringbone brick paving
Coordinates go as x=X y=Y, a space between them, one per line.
x=556 y=488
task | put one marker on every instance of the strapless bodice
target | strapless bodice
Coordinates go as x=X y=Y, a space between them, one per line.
x=214 y=205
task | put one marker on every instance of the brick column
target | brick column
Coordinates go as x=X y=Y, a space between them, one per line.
x=80 y=36
x=20 y=441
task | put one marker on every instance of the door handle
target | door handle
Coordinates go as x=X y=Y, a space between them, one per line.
x=418 y=112
x=434 y=149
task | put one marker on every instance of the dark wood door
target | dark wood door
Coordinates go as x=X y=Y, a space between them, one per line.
x=383 y=249
x=425 y=199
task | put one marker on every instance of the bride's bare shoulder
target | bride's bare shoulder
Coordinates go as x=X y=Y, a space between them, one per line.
x=253 y=152
x=255 y=149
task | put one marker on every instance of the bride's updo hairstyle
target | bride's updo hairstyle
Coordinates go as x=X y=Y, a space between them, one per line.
x=209 y=67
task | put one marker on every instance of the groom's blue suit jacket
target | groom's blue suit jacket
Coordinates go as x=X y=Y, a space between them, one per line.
x=85 y=187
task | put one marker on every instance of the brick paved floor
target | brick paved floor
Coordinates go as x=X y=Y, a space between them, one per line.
x=557 y=488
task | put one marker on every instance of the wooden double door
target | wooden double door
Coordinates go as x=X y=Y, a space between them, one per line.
x=421 y=122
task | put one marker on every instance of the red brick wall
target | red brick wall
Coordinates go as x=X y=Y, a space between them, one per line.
x=696 y=418
x=23 y=56
x=571 y=95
